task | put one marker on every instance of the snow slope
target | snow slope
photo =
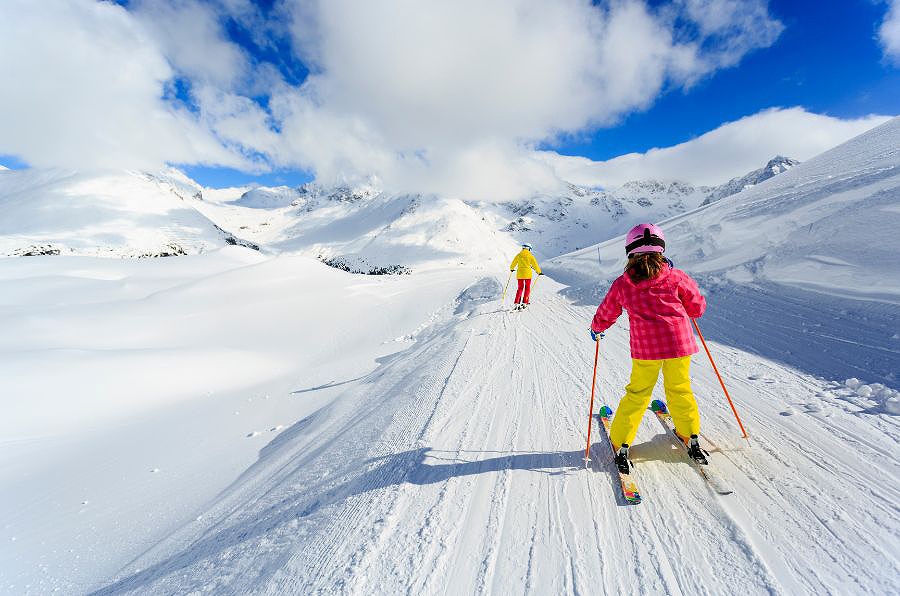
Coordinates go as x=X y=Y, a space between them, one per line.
x=136 y=390
x=797 y=268
x=243 y=422
x=103 y=214
x=443 y=471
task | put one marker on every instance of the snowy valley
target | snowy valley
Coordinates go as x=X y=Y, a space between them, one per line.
x=251 y=416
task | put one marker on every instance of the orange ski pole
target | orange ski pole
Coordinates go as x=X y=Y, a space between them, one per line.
x=721 y=382
x=587 y=450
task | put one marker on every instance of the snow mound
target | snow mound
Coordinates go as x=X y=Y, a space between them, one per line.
x=888 y=399
x=484 y=290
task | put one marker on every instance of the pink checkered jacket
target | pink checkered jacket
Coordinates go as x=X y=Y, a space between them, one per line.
x=659 y=312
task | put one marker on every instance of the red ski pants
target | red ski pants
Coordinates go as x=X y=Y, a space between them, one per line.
x=524 y=291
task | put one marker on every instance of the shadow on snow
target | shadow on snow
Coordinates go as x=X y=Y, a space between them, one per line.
x=413 y=467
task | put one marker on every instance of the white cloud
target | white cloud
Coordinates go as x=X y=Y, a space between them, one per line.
x=191 y=36
x=441 y=85
x=733 y=27
x=889 y=32
x=438 y=96
x=730 y=150
x=82 y=87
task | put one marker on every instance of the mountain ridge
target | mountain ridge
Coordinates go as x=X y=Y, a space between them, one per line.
x=114 y=217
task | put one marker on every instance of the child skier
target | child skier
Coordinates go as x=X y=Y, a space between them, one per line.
x=523 y=263
x=661 y=301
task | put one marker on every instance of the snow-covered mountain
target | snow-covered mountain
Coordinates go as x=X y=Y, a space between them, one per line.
x=777 y=165
x=135 y=214
x=267 y=197
x=391 y=229
x=104 y=214
x=582 y=216
x=557 y=224
x=362 y=228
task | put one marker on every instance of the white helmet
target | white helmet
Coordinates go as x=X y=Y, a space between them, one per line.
x=526 y=245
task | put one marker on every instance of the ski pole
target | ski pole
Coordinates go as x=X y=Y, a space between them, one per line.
x=503 y=299
x=721 y=382
x=534 y=287
x=587 y=449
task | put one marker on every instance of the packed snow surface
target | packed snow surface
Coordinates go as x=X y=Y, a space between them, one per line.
x=452 y=465
x=244 y=421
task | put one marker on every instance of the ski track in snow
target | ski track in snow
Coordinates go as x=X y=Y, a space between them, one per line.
x=456 y=468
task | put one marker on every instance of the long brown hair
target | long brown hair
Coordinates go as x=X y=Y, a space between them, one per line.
x=645 y=265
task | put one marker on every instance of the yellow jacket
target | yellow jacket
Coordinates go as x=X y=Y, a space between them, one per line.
x=524 y=262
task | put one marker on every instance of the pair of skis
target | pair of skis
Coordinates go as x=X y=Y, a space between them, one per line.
x=630 y=490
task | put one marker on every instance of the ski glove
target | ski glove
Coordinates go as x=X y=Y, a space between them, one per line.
x=597 y=336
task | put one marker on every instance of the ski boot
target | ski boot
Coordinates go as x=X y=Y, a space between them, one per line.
x=695 y=452
x=622 y=461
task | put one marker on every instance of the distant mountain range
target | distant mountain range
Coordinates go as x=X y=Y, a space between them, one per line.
x=362 y=227
x=560 y=224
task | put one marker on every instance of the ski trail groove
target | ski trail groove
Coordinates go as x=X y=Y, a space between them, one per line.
x=456 y=468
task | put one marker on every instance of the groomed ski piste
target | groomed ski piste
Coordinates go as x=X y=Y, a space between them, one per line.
x=294 y=429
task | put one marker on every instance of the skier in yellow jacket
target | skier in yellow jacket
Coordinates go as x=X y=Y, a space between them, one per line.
x=523 y=264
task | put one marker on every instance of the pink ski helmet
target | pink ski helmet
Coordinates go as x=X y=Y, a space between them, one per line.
x=644 y=238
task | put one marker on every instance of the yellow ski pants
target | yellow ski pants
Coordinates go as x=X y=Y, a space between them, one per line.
x=679 y=398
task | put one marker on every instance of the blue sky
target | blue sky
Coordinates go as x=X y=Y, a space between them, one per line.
x=827 y=60
x=435 y=97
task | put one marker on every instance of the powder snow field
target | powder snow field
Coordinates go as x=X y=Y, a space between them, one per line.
x=257 y=422
x=136 y=390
